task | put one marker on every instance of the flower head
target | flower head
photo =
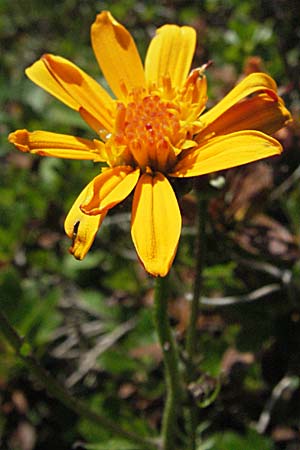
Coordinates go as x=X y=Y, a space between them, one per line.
x=154 y=130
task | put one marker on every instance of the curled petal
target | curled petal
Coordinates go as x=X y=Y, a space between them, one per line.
x=45 y=143
x=170 y=54
x=253 y=83
x=226 y=151
x=39 y=73
x=262 y=113
x=81 y=228
x=116 y=54
x=65 y=81
x=109 y=189
x=156 y=223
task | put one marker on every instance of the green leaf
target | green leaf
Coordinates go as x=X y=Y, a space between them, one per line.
x=114 y=444
x=233 y=441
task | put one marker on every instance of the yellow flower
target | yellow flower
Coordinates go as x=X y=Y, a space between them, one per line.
x=153 y=131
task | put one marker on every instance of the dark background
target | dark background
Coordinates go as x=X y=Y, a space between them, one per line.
x=67 y=308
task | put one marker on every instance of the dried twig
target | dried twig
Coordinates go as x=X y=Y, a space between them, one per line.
x=89 y=359
x=232 y=300
x=290 y=383
x=286 y=185
x=24 y=352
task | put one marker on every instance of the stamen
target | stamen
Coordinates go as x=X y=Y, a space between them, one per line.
x=151 y=128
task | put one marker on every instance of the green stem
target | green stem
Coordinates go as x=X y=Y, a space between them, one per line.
x=23 y=350
x=191 y=337
x=171 y=363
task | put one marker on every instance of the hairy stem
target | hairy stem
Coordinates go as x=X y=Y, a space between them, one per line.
x=23 y=350
x=171 y=363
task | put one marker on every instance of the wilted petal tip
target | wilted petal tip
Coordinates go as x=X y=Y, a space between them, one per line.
x=20 y=139
x=77 y=256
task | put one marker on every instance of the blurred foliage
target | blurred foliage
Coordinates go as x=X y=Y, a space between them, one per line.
x=67 y=308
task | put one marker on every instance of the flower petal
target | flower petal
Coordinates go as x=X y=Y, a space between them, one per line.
x=81 y=228
x=170 y=54
x=65 y=81
x=109 y=189
x=116 y=54
x=226 y=151
x=156 y=223
x=253 y=83
x=262 y=113
x=45 y=143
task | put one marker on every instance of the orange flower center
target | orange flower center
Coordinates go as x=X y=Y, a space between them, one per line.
x=148 y=130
